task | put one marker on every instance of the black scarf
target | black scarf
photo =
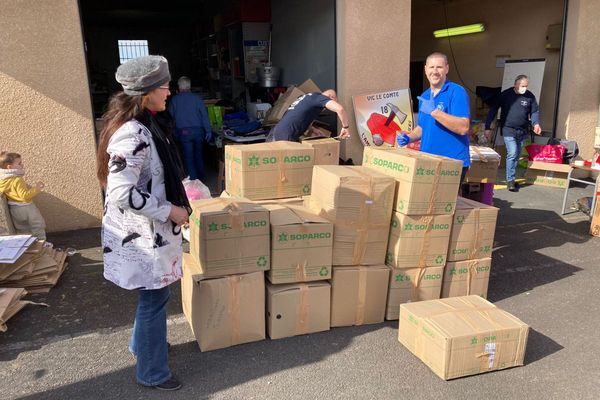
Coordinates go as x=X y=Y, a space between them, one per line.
x=172 y=165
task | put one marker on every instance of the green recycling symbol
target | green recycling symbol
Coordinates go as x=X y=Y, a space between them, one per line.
x=401 y=204
x=439 y=259
x=306 y=189
x=324 y=271
x=253 y=161
x=448 y=207
x=394 y=223
x=262 y=261
x=283 y=237
x=460 y=219
x=212 y=227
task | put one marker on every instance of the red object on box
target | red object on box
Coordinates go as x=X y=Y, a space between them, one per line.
x=550 y=153
x=377 y=126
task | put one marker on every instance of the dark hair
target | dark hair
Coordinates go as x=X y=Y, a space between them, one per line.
x=121 y=108
x=7 y=158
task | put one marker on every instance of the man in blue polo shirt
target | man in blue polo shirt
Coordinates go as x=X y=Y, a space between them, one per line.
x=443 y=124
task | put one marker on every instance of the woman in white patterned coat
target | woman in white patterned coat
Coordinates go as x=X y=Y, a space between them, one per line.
x=145 y=206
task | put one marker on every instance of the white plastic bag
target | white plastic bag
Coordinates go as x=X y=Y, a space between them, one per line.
x=196 y=190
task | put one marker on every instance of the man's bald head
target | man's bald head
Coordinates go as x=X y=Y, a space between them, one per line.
x=331 y=94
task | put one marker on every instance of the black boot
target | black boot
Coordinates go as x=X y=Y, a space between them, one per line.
x=512 y=186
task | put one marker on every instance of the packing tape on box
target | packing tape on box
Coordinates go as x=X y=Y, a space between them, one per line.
x=281 y=178
x=434 y=187
x=361 y=243
x=471 y=272
x=234 y=307
x=359 y=318
x=414 y=292
x=302 y=312
x=427 y=220
x=301 y=271
x=491 y=350
x=477 y=236
x=481 y=156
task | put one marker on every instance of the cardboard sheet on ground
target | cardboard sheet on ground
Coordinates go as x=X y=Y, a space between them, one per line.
x=381 y=116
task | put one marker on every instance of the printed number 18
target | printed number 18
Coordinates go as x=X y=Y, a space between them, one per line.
x=384 y=109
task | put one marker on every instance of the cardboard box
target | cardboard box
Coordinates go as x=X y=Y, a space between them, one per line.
x=462 y=336
x=464 y=278
x=418 y=240
x=358 y=295
x=284 y=101
x=484 y=165
x=427 y=184
x=6 y=225
x=412 y=284
x=327 y=150
x=298 y=309
x=473 y=230
x=359 y=203
x=223 y=312
x=268 y=170
x=301 y=245
x=229 y=236
x=547 y=174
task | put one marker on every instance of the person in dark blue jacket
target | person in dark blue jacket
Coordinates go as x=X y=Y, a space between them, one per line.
x=519 y=109
x=302 y=112
x=192 y=126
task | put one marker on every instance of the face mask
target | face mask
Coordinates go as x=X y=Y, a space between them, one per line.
x=522 y=90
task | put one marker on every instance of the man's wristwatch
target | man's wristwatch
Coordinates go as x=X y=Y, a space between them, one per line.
x=345 y=127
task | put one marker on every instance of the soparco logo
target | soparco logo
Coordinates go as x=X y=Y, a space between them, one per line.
x=284 y=237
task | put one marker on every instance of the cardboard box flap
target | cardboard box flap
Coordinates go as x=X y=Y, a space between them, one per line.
x=309 y=86
x=465 y=323
x=466 y=204
x=293 y=215
x=544 y=166
x=348 y=173
x=224 y=205
x=290 y=287
x=483 y=154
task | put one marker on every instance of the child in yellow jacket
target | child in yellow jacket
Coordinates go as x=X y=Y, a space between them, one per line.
x=25 y=215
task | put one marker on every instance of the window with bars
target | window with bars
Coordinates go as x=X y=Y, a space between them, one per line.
x=129 y=49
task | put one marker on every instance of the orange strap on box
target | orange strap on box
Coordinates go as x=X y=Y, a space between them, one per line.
x=359 y=318
x=434 y=187
x=234 y=307
x=302 y=312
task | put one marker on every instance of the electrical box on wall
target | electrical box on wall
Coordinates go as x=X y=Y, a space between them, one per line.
x=553 y=37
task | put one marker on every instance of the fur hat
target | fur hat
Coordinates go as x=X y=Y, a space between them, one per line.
x=143 y=74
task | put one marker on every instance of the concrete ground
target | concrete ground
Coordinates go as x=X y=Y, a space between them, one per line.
x=545 y=271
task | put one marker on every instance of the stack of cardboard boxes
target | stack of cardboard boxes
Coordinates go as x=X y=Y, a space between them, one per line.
x=359 y=204
x=366 y=239
x=223 y=287
x=469 y=254
x=425 y=200
x=298 y=293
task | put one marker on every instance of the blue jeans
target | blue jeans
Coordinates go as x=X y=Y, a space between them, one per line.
x=513 y=151
x=192 y=140
x=149 y=337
